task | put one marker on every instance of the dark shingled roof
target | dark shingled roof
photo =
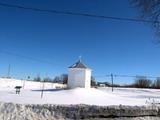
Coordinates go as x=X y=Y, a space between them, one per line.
x=78 y=64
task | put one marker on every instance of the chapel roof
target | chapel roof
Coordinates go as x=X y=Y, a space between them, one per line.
x=79 y=64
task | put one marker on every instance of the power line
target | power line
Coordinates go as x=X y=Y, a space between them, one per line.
x=125 y=76
x=77 y=14
x=135 y=76
x=25 y=57
x=9 y=70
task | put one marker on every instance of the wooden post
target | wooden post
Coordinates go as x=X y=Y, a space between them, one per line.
x=42 y=89
x=112 y=81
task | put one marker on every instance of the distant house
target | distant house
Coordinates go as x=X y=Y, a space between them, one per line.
x=103 y=84
x=79 y=76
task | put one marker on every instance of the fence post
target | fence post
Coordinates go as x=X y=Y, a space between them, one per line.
x=112 y=81
x=42 y=89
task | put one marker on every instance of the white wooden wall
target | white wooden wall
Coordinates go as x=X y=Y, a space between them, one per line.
x=79 y=77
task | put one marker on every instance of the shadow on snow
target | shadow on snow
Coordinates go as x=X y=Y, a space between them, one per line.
x=47 y=90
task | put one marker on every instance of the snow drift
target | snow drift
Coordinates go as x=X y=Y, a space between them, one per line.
x=31 y=94
x=10 y=111
x=89 y=104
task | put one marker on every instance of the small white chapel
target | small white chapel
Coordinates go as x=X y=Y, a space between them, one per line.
x=79 y=75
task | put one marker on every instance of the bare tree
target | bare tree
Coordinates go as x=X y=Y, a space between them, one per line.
x=150 y=10
x=64 y=78
x=156 y=83
x=142 y=82
x=93 y=81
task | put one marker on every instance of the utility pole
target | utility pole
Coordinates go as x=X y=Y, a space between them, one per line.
x=112 y=81
x=9 y=70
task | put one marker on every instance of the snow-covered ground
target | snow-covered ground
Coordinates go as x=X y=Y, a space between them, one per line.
x=31 y=94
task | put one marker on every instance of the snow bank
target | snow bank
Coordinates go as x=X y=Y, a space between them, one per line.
x=11 y=83
x=10 y=111
x=31 y=94
x=56 y=103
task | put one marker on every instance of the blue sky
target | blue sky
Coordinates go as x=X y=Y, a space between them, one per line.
x=106 y=46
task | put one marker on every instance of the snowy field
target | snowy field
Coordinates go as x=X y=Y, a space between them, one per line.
x=31 y=94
